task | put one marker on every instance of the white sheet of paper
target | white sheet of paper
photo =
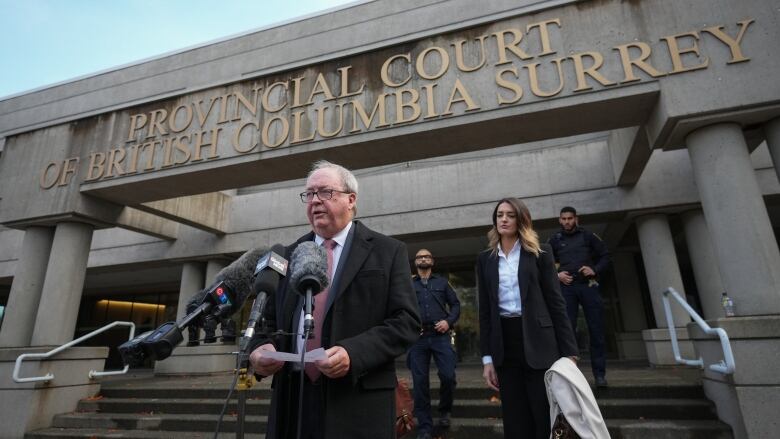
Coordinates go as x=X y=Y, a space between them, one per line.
x=309 y=357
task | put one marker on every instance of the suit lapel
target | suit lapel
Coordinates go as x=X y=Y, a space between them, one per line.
x=527 y=262
x=337 y=272
x=492 y=270
x=358 y=252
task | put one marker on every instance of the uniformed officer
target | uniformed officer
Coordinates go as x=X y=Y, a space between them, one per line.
x=582 y=257
x=439 y=310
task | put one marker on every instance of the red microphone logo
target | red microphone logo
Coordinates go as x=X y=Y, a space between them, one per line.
x=221 y=295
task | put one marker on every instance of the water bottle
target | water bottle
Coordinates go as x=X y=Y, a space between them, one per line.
x=728 y=305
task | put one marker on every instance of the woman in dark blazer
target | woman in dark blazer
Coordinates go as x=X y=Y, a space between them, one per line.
x=522 y=320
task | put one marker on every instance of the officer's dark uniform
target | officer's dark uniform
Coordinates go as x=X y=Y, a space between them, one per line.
x=418 y=359
x=572 y=251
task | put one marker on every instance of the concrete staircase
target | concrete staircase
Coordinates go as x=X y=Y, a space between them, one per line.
x=640 y=403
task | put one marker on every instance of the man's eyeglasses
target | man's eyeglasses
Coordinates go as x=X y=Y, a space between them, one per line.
x=322 y=194
x=423 y=257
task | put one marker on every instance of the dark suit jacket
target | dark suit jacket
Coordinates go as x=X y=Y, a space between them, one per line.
x=547 y=333
x=373 y=314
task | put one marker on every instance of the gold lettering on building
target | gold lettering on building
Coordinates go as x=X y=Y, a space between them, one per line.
x=516 y=89
x=359 y=112
x=639 y=62
x=68 y=170
x=459 y=61
x=513 y=46
x=281 y=135
x=95 y=169
x=444 y=63
x=385 y=71
x=733 y=43
x=676 y=53
x=533 y=79
x=440 y=78
x=460 y=94
x=236 y=142
x=597 y=60
x=51 y=168
x=297 y=136
x=544 y=34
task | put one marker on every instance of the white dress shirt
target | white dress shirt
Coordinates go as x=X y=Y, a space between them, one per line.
x=340 y=239
x=509 y=304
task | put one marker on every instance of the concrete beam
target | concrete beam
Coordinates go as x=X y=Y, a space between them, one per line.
x=205 y=211
x=630 y=152
x=586 y=113
x=148 y=224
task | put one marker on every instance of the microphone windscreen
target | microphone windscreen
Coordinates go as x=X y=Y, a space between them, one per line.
x=197 y=299
x=268 y=274
x=238 y=276
x=309 y=267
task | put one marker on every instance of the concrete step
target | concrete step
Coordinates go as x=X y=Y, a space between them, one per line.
x=462 y=428
x=668 y=429
x=183 y=393
x=157 y=422
x=691 y=409
x=170 y=406
x=102 y=433
x=640 y=403
x=618 y=429
x=467 y=391
x=474 y=408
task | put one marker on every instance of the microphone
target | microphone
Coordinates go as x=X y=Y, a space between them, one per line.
x=232 y=285
x=270 y=268
x=309 y=275
x=224 y=297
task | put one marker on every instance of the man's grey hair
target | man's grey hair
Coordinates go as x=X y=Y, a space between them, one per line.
x=345 y=175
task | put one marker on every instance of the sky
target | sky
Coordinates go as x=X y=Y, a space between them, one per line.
x=43 y=42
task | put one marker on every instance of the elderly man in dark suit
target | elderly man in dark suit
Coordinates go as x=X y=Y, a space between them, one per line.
x=369 y=318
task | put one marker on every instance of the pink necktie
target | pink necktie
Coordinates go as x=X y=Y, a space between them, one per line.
x=320 y=303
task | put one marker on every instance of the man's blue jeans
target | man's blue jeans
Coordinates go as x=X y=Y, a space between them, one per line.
x=418 y=359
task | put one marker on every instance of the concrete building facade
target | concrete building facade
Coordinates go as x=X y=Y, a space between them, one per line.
x=122 y=192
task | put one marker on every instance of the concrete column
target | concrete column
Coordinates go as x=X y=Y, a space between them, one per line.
x=705 y=264
x=192 y=274
x=55 y=322
x=632 y=309
x=748 y=258
x=27 y=287
x=663 y=271
x=745 y=245
x=772 y=133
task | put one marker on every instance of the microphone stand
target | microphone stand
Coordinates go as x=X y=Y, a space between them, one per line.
x=308 y=332
x=245 y=380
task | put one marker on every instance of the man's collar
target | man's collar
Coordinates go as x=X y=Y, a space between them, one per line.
x=340 y=237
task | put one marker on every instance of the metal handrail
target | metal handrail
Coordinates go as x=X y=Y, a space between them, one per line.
x=725 y=366
x=92 y=373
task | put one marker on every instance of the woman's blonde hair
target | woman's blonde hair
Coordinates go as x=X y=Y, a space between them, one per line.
x=525 y=230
